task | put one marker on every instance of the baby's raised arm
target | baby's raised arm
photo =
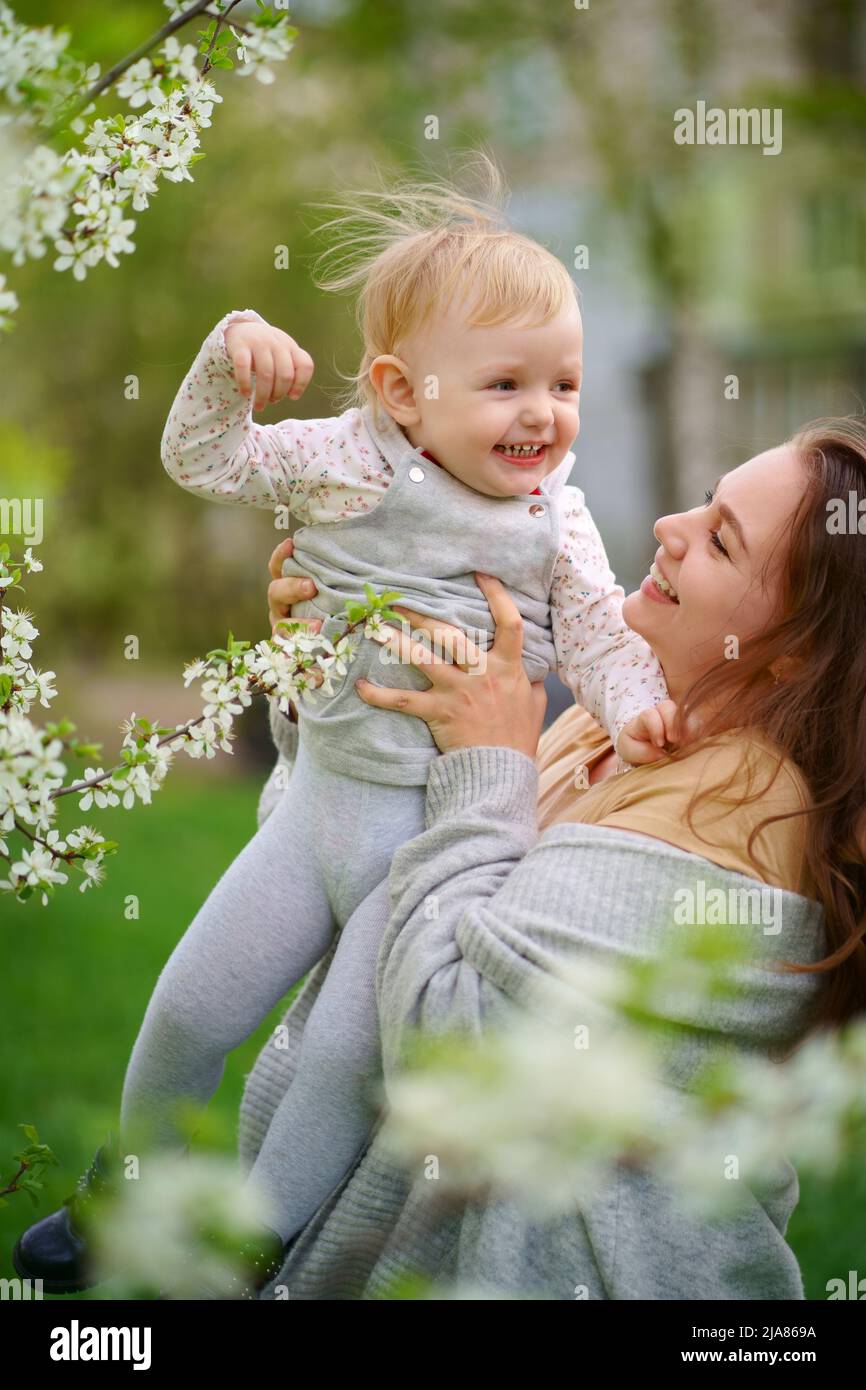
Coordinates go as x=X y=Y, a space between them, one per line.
x=211 y=445
x=609 y=669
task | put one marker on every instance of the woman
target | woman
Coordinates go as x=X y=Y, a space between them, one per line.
x=757 y=636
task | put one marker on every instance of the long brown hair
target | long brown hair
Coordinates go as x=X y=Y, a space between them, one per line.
x=816 y=714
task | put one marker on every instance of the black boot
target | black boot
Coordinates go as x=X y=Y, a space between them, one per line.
x=54 y=1249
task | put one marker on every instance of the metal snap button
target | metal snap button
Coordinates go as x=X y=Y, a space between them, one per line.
x=416 y=474
x=536 y=510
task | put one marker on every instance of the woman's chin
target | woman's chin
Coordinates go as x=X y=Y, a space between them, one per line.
x=634 y=612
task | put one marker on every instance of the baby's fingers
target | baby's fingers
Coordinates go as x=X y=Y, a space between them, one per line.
x=303 y=368
x=242 y=359
x=264 y=370
x=666 y=712
x=284 y=373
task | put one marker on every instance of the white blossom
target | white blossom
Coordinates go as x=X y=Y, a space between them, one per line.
x=74 y=202
x=263 y=45
x=97 y=795
x=8 y=301
x=18 y=632
x=140 y=84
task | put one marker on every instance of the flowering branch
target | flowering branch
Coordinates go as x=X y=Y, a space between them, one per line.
x=76 y=201
x=293 y=666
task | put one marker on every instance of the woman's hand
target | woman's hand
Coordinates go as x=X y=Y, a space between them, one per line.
x=282 y=594
x=477 y=699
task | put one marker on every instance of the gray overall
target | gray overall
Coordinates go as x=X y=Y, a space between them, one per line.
x=319 y=864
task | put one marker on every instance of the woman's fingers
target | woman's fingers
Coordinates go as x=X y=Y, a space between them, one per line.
x=278 y=555
x=508 y=639
x=457 y=647
x=415 y=702
x=404 y=648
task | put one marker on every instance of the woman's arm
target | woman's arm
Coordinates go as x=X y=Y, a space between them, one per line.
x=484 y=910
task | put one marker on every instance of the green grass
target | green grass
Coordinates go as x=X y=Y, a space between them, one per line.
x=78 y=976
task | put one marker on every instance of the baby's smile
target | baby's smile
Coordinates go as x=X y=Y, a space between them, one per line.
x=522 y=454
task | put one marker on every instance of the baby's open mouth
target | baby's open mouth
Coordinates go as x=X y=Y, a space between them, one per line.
x=520 y=451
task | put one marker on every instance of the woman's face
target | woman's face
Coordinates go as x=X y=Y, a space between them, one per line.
x=724 y=596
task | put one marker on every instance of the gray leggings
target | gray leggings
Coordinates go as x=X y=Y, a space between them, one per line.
x=321 y=858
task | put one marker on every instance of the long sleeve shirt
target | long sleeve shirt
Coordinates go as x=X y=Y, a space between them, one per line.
x=323 y=470
x=512 y=904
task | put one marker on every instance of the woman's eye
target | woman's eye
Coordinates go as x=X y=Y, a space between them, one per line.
x=714 y=535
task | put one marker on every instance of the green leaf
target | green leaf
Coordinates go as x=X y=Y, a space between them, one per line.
x=222 y=62
x=85 y=750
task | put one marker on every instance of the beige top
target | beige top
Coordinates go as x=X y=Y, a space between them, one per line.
x=653 y=798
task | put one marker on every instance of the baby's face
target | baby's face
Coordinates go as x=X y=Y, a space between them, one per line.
x=497 y=388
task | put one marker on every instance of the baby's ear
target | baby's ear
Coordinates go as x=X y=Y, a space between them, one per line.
x=390 y=378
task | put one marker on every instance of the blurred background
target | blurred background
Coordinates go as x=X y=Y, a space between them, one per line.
x=723 y=293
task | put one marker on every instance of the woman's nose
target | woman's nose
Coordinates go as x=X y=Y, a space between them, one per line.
x=669 y=531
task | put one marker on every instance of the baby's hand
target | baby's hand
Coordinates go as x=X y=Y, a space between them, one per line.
x=643 y=738
x=281 y=367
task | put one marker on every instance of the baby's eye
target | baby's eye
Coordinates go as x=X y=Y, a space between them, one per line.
x=500 y=383
x=569 y=385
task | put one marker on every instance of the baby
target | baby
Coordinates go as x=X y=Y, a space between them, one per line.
x=453 y=457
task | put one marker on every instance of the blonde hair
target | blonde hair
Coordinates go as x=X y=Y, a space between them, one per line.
x=409 y=247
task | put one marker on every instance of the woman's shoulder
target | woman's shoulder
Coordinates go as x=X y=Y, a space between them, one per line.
x=574 y=733
x=736 y=798
x=709 y=799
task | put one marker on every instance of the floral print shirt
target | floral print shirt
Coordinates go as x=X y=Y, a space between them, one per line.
x=324 y=470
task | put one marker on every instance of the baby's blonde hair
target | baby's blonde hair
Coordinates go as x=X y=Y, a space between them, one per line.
x=410 y=246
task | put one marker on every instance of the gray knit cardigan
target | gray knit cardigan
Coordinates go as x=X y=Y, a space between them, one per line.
x=510 y=902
